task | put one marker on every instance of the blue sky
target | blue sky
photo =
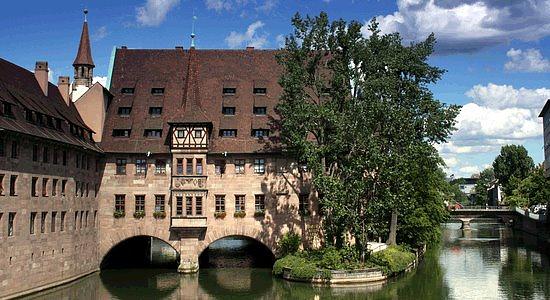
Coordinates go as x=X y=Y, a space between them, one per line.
x=496 y=52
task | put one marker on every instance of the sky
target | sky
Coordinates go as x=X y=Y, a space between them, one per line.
x=496 y=52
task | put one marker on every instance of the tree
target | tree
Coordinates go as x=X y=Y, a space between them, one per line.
x=533 y=190
x=512 y=165
x=486 y=178
x=359 y=113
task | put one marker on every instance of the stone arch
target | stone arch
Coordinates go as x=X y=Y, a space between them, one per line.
x=219 y=233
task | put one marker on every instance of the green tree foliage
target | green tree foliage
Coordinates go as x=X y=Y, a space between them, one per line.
x=535 y=189
x=486 y=178
x=359 y=113
x=289 y=244
x=512 y=165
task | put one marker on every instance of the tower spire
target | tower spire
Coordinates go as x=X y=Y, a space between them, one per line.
x=83 y=63
x=193 y=31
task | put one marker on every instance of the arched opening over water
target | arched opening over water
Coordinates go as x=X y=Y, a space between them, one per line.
x=141 y=252
x=236 y=252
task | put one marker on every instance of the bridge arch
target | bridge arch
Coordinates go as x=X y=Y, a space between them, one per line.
x=264 y=238
x=115 y=237
x=140 y=251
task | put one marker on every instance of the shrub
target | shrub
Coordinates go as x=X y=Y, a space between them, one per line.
x=289 y=244
x=289 y=261
x=305 y=270
x=159 y=214
x=393 y=260
x=331 y=259
x=239 y=214
x=118 y=214
x=139 y=214
x=219 y=214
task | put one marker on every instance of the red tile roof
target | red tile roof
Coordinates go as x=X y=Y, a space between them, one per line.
x=193 y=81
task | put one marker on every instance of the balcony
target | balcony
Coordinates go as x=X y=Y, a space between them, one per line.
x=189 y=222
x=189 y=182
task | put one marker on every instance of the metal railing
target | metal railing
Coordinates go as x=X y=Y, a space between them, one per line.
x=483 y=207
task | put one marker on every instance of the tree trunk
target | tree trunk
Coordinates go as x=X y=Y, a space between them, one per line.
x=392 y=238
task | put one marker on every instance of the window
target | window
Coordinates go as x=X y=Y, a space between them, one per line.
x=260 y=133
x=179 y=166
x=31 y=224
x=124 y=111
x=159 y=203
x=13 y=183
x=120 y=203
x=11 y=223
x=152 y=133
x=260 y=91
x=160 y=166
x=62 y=221
x=34 y=152
x=14 y=149
x=157 y=91
x=155 y=111
x=259 y=202
x=64 y=159
x=63 y=186
x=127 y=91
x=220 y=203
x=179 y=205
x=121 y=132
x=87 y=189
x=228 y=110
x=303 y=204
x=44 y=187
x=188 y=166
x=198 y=206
x=219 y=166
x=141 y=166
x=228 y=132
x=188 y=206
x=54 y=187
x=199 y=166
x=259 y=166
x=2 y=147
x=199 y=133
x=34 y=193
x=121 y=166
x=58 y=124
x=239 y=203
x=239 y=166
x=55 y=156
x=180 y=133
x=52 y=224
x=80 y=221
x=259 y=110
x=7 y=109
x=140 y=203
x=43 y=222
x=229 y=91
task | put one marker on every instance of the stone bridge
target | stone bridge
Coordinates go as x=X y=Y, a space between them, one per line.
x=467 y=214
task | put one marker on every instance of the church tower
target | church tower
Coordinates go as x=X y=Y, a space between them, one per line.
x=83 y=63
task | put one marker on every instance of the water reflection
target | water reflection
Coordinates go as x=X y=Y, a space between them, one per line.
x=487 y=262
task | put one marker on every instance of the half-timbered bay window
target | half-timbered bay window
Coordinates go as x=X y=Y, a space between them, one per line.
x=199 y=133
x=259 y=165
x=159 y=203
x=160 y=166
x=121 y=166
x=239 y=203
x=140 y=203
x=141 y=166
x=120 y=203
x=259 y=203
x=220 y=203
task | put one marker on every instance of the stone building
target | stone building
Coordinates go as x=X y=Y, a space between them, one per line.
x=545 y=115
x=180 y=149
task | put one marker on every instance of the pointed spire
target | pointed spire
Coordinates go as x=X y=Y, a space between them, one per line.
x=193 y=31
x=84 y=55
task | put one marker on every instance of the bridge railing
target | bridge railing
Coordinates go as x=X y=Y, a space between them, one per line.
x=483 y=207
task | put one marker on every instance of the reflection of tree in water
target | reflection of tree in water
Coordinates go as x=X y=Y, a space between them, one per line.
x=521 y=278
x=243 y=283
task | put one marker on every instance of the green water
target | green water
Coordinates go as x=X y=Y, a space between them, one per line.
x=488 y=262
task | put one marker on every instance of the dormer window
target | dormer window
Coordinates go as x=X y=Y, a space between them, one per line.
x=155 y=111
x=29 y=115
x=153 y=133
x=124 y=111
x=157 y=91
x=260 y=133
x=58 y=124
x=260 y=110
x=50 y=121
x=7 y=109
x=121 y=132
x=228 y=110
x=229 y=91
x=260 y=91
x=228 y=132
x=127 y=91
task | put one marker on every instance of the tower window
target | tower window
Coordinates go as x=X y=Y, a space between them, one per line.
x=124 y=111
x=157 y=91
x=228 y=132
x=260 y=91
x=260 y=110
x=155 y=111
x=228 y=110
x=121 y=132
x=153 y=133
x=229 y=91
x=127 y=91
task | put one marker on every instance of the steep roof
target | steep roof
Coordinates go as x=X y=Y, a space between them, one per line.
x=193 y=81
x=19 y=87
x=545 y=108
x=84 y=54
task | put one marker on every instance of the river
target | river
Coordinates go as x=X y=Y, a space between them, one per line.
x=488 y=262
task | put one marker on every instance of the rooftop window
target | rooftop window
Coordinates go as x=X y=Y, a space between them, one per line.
x=229 y=91
x=228 y=111
x=153 y=133
x=121 y=132
x=260 y=110
x=7 y=109
x=260 y=91
x=29 y=116
x=228 y=132
x=157 y=91
x=127 y=91
x=155 y=111
x=124 y=111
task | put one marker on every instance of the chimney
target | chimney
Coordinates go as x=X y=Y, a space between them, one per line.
x=63 y=86
x=41 y=75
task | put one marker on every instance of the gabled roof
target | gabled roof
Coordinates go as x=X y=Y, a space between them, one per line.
x=545 y=108
x=84 y=54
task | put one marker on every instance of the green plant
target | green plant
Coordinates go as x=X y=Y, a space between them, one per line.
x=393 y=260
x=304 y=212
x=139 y=214
x=331 y=259
x=259 y=213
x=118 y=214
x=219 y=214
x=305 y=271
x=288 y=244
x=239 y=214
x=289 y=261
x=159 y=214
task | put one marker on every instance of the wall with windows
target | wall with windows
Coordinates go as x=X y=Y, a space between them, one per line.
x=48 y=212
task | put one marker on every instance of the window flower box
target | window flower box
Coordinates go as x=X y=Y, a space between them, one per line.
x=139 y=214
x=239 y=214
x=159 y=214
x=259 y=213
x=118 y=214
x=219 y=214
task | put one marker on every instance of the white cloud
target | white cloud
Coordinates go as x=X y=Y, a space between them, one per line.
x=467 y=171
x=468 y=25
x=267 y=6
x=529 y=60
x=154 y=12
x=506 y=96
x=251 y=37
x=219 y=5
x=280 y=40
x=100 y=33
x=101 y=79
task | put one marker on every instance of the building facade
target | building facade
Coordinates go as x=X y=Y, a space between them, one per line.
x=545 y=115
